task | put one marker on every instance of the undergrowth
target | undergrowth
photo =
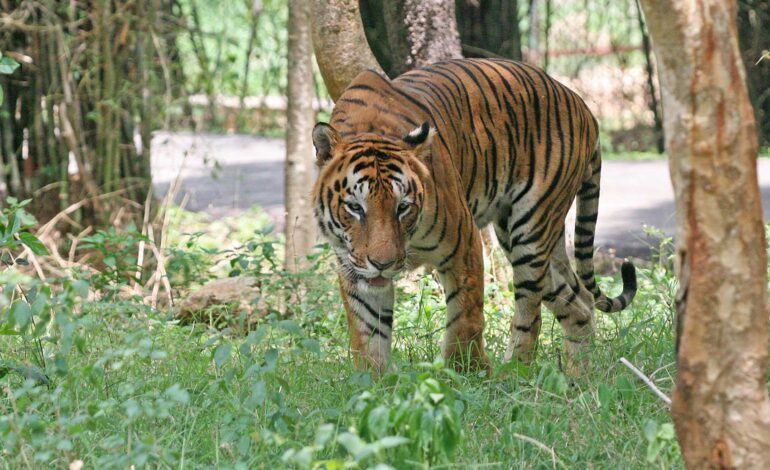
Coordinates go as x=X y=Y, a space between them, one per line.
x=91 y=374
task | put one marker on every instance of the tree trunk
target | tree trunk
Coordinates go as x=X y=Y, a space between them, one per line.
x=720 y=404
x=377 y=33
x=340 y=44
x=547 y=34
x=754 y=37
x=491 y=25
x=646 y=48
x=534 y=32
x=300 y=235
x=421 y=33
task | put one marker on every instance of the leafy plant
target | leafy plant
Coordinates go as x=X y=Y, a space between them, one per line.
x=425 y=410
x=661 y=438
x=7 y=67
x=116 y=254
x=15 y=224
x=415 y=419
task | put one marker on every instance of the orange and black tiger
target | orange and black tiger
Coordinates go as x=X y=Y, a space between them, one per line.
x=412 y=167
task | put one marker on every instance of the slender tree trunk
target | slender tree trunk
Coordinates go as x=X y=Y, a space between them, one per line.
x=547 y=34
x=534 y=31
x=647 y=49
x=340 y=44
x=300 y=235
x=720 y=404
x=255 y=10
x=421 y=33
x=754 y=37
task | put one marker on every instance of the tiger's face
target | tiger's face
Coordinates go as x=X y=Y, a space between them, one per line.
x=368 y=199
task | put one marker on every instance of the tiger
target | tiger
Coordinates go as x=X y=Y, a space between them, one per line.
x=410 y=170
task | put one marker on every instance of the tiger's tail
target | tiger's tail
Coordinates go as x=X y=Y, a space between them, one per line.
x=585 y=229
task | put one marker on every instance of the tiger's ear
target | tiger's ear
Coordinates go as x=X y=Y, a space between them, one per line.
x=420 y=139
x=325 y=138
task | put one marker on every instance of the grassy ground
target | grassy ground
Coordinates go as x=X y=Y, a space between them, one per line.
x=113 y=382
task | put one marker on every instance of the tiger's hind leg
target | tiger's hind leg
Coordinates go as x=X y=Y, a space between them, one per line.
x=572 y=305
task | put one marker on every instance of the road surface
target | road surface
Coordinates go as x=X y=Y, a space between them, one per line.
x=224 y=175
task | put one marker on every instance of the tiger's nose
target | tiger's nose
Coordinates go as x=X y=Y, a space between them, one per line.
x=381 y=265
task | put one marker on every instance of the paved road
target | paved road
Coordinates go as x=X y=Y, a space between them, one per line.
x=226 y=175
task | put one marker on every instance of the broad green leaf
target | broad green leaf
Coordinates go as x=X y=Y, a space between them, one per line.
x=377 y=421
x=650 y=430
x=8 y=65
x=392 y=441
x=13 y=226
x=436 y=397
x=666 y=432
x=605 y=395
x=80 y=287
x=324 y=434
x=291 y=327
x=33 y=243
x=21 y=314
x=352 y=443
x=312 y=345
x=178 y=394
x=222 y=353
x=258 y=394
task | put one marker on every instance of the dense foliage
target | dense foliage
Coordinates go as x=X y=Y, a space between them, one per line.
x=90 y=372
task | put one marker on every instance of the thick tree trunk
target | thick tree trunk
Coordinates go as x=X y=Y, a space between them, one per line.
x=492 y=25
x=340 y=44
x=300 y=235
x=720 y=403
x=421 y=32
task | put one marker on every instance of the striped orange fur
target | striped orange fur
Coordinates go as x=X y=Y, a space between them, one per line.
x=412 y=167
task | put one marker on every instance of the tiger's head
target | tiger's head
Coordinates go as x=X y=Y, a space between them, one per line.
x=369 y=197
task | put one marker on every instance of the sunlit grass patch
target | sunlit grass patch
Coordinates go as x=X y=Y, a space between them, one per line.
x=127 y=384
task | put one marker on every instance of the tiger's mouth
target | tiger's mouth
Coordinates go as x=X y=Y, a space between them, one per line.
x=372 y=278
x=378 y=281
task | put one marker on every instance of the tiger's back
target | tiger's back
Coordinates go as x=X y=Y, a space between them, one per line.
x=505 y=125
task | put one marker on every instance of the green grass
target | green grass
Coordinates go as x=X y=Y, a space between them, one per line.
x=129 y=385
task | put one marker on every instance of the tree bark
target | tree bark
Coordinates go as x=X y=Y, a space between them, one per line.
x=340 y=44
x=720 y=404
x=492 y=25
x=646 y=48
x=534 y=32
x=421 y=33
x=300 y=235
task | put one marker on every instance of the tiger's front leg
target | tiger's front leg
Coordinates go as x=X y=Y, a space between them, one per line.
x=370 y=322
x=462 y=276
